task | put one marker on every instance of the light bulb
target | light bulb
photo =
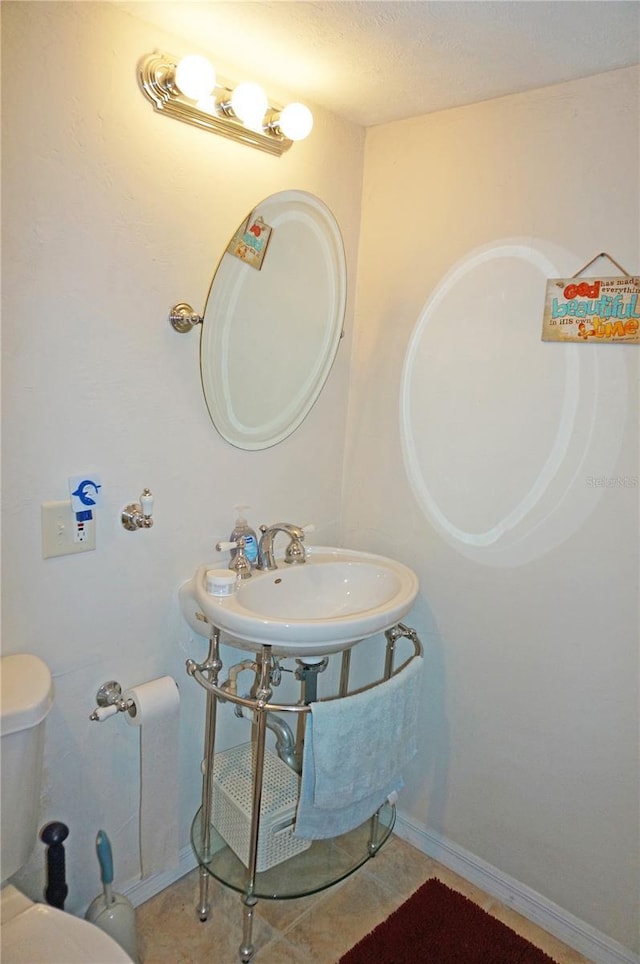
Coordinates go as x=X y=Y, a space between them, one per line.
x=295 y=121
x=249 y=103
x=195 y=77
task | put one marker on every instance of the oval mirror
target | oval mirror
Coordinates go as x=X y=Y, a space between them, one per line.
x=273 y=320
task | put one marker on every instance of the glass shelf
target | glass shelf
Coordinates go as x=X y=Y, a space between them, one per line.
x=325 y=862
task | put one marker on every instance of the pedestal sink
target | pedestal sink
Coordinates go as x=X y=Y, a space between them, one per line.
x=333 y=600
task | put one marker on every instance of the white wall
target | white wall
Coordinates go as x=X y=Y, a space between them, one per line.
x=529 y=756
x=112 y=214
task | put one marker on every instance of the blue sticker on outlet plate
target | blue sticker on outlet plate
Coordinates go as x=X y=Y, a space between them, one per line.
x=85 y=492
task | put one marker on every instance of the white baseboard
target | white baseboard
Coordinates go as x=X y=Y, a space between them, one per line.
x=588 y=941
x=138 y=891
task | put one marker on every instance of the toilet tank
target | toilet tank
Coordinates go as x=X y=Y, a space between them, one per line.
x=27 y=697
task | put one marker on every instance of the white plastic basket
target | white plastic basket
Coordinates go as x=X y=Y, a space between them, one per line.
x=232 y=795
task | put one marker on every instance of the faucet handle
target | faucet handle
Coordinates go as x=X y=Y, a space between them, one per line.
x=295 y=551
x=239 y=564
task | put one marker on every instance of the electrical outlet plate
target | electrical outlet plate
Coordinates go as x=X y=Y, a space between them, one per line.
x=62 y=535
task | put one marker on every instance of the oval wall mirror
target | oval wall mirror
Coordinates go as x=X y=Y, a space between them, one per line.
x=273 y=320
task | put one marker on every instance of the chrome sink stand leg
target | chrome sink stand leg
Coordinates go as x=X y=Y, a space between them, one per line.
x=392 y=636
x=246 y=948
x=372 y=845
x=212 y=667
x=249 y=900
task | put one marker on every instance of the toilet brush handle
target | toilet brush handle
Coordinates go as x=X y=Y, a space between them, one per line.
x=105 y=857
x=53 y=835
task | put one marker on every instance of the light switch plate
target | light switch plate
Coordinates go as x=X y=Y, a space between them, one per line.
x=61 y=534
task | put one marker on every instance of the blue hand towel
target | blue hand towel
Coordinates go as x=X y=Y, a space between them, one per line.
x=354 y=751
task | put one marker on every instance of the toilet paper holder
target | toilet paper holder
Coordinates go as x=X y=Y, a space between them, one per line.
x=110 y=701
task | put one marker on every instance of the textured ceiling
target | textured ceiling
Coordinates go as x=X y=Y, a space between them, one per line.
x=376 y=61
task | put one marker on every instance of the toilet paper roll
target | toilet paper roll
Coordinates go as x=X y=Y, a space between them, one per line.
x=155 y=710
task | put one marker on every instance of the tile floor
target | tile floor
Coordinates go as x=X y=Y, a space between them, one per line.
x=308 y=930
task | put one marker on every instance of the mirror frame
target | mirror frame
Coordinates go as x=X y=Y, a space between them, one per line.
x=217 y=322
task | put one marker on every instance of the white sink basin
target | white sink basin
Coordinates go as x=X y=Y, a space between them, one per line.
x=334 y=599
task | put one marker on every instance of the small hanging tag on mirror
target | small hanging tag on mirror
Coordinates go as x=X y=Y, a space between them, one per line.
x=250 y=242
x=594 y=309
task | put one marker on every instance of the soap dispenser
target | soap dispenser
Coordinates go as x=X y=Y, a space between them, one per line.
x=242 y=530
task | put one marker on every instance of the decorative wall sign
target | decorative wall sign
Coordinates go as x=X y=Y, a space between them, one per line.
x=594 y=309
x=605 y=309
x=250 y=241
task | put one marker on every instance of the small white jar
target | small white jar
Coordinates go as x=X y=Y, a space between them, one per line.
x=220 y=582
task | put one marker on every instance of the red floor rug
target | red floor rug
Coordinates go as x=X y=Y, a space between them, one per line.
x=439 y=926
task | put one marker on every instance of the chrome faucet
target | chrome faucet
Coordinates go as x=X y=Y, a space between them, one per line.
x=294 y=552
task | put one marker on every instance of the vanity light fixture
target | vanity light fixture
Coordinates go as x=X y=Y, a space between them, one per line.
x=189 y=90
